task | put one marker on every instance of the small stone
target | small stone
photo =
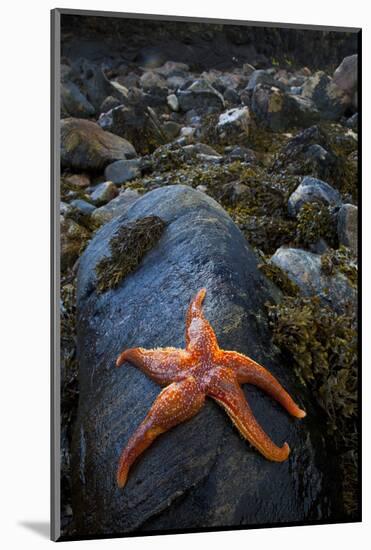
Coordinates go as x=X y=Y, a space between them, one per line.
x=173 y=102
x=104 y=192
x=150 y=80
x=348 y=227
x=188 y=133
x=122 y=170
x=80 y=180
x=172 y=68
x=115 y=207
x=83 y=206
x=235 y=121
x=201 y=188
x=72 y=239
x=200 y=149
x=241 y=153
x=74 y=103
x=312 y=190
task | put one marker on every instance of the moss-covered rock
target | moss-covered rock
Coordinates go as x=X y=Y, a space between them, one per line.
x=322 y=347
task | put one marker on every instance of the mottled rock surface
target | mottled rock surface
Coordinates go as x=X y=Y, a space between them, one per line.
x=348 y=226
x=304 y=269
x=312 y=190
x=201 y=473
x=85 y=146
x=115 y=207
x=122 y=171
x=346 y=76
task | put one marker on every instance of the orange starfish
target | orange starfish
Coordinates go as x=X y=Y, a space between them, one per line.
x=202 y=369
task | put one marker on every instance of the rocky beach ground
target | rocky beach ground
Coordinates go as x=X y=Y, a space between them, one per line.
x=273 y=139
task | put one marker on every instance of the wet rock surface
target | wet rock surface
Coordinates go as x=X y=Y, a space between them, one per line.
x=203 y=460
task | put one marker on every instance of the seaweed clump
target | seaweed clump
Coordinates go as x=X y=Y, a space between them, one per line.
x=315 y=221
x=280 y=279
x=69 y=390
x=322 y=346
x=128 y=247
x=340 y=261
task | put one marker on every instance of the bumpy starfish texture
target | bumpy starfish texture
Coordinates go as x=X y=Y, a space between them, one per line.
x=202 y=369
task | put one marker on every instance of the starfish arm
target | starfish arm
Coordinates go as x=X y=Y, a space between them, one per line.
x=199 y=333
x=224 y=389
x=163 y=365
x=250 y=372
x=175 y=404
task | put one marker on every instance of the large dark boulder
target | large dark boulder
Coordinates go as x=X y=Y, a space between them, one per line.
x=202 y=473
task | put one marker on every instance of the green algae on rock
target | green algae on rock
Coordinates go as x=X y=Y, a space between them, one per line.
x=128 y=246
x=322 y=346
x=280 y=279
x=340 y=261
x=315 y=221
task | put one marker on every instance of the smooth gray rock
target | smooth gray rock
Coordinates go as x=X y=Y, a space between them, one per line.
x=348 y=226
x=199 y=149
x=115 y=207
x=304 y=269
x=172 y=68
x=312 y=190
x=74 y=102
x=330 y=100
x=150 y=80
x=202 y=473
x=200 y=96
x=85 y=146
x=121 y=171
x=173 y=102
x=83 y=206
x=346 y=74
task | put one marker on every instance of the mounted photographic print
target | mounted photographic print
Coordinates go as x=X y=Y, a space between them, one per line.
x=206 y=186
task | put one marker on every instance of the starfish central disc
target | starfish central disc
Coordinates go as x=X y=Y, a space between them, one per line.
x=201 y=370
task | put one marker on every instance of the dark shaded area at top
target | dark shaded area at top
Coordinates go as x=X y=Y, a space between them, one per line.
x=201 y=45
